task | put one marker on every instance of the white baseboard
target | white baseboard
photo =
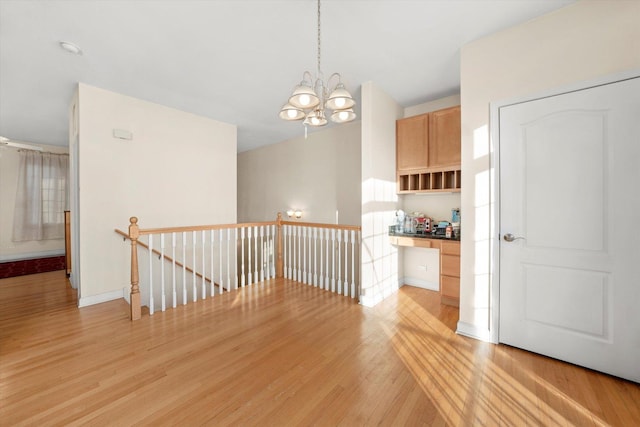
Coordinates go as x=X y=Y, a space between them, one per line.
x=31 y=255
x=419 y=283
x=473 y=331
x=100 y=298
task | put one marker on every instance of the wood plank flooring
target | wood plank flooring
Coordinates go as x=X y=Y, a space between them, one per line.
x=279 y=353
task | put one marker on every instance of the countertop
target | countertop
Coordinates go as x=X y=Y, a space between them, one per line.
x=425 y=236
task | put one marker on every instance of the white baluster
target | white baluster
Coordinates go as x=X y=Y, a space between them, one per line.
x=327 y=285
x=228 y=269
x=250 y=280
x=291 y=243
x=262 y=253
x=235 y=246
x=211 y=242
x=296 y=259
x=333 y=260
x=184 y=270
x=272 y=251
x=194 y=263
x=204 y=268
x=285 y=247
x=315 y=257
x=309 y=273
x=151 y=308
x=220 y=261
x=265 y=254
x=162 y=283
x=346 y=253
x=255 y=254
x=173 y=270
x=339 y=238
x=304 y=255
x=320 y=276
x=353 y=263
x=242 y=277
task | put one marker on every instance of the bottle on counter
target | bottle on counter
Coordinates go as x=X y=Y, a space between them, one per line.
x=448 y=232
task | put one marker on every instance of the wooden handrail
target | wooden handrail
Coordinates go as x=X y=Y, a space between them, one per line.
x=203 y=227
x=167 y=258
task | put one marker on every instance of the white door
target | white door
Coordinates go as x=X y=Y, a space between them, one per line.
x=569 y=227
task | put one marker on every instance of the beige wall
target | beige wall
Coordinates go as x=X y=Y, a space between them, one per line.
x=583 y=41
x=318 y=175
x=9 y=250
x=380 y=267
x=179 y=169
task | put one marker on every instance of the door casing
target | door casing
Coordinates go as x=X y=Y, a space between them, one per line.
x=494 y=193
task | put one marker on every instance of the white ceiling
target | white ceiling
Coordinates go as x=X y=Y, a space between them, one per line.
x=234 y=61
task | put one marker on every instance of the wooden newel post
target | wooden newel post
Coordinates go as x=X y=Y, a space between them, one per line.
x=134 y=233
x=280 y=261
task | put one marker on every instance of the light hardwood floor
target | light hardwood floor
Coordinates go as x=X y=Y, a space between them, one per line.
x=279 y=353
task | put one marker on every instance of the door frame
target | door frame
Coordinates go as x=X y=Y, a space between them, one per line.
x=494 y=182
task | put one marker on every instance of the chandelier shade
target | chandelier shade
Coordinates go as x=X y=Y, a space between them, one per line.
x=304 y=96
x=289 y=112
x=316 y=118
x=343 y=116
x=312 y=96
x=340 y=99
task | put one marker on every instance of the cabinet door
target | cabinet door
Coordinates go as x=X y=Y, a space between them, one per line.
x=444 y=138
x=450 y=287
x=412 y=135
x=450 y=265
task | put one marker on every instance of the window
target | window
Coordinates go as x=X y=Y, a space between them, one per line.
x=41 y=197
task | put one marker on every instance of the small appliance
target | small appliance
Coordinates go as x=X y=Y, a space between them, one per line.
x=441 y=228
x=422 y=225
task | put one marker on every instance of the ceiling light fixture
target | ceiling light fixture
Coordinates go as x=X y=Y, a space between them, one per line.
x=71 y=47
x=310 y=98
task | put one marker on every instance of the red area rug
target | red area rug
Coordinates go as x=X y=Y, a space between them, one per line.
x=31 y=266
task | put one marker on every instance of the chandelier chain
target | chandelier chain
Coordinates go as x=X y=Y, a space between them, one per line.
x=319 y=72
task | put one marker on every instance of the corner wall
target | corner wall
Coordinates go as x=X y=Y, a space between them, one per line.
x=179 y=169
x=379 y=262
x=582 y=41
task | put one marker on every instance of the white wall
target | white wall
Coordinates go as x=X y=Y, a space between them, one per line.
x=379 y=264
x=179 y=169
x=318 y=175
x=10 y=250
x=582 y=41
x=421 y=267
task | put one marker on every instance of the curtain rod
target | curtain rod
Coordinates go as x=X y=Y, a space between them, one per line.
x=28 y=147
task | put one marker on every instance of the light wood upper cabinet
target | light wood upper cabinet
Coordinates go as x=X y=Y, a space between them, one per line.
x=428 y=152
x=444 y=138
x=412 y=136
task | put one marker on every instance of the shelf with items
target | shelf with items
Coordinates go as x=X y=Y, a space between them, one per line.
x=429 y=181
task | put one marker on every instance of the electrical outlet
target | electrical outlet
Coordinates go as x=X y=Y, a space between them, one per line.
x=423 y=267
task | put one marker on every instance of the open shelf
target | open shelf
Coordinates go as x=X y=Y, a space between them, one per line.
x=430 y=181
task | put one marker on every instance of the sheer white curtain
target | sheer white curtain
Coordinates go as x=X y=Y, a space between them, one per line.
x=41 y=197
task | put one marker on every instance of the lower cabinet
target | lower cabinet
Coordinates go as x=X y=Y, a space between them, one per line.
x=450 y=273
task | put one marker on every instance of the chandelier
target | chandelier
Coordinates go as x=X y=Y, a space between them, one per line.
x=312 y=96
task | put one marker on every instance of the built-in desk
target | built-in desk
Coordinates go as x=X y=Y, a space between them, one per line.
x=449 y=263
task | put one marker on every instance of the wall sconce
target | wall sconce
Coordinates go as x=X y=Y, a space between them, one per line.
x=294 y=213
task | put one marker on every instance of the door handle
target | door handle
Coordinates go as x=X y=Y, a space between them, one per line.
x=510 y=237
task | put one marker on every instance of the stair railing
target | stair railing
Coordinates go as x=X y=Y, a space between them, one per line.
x=197 y=262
